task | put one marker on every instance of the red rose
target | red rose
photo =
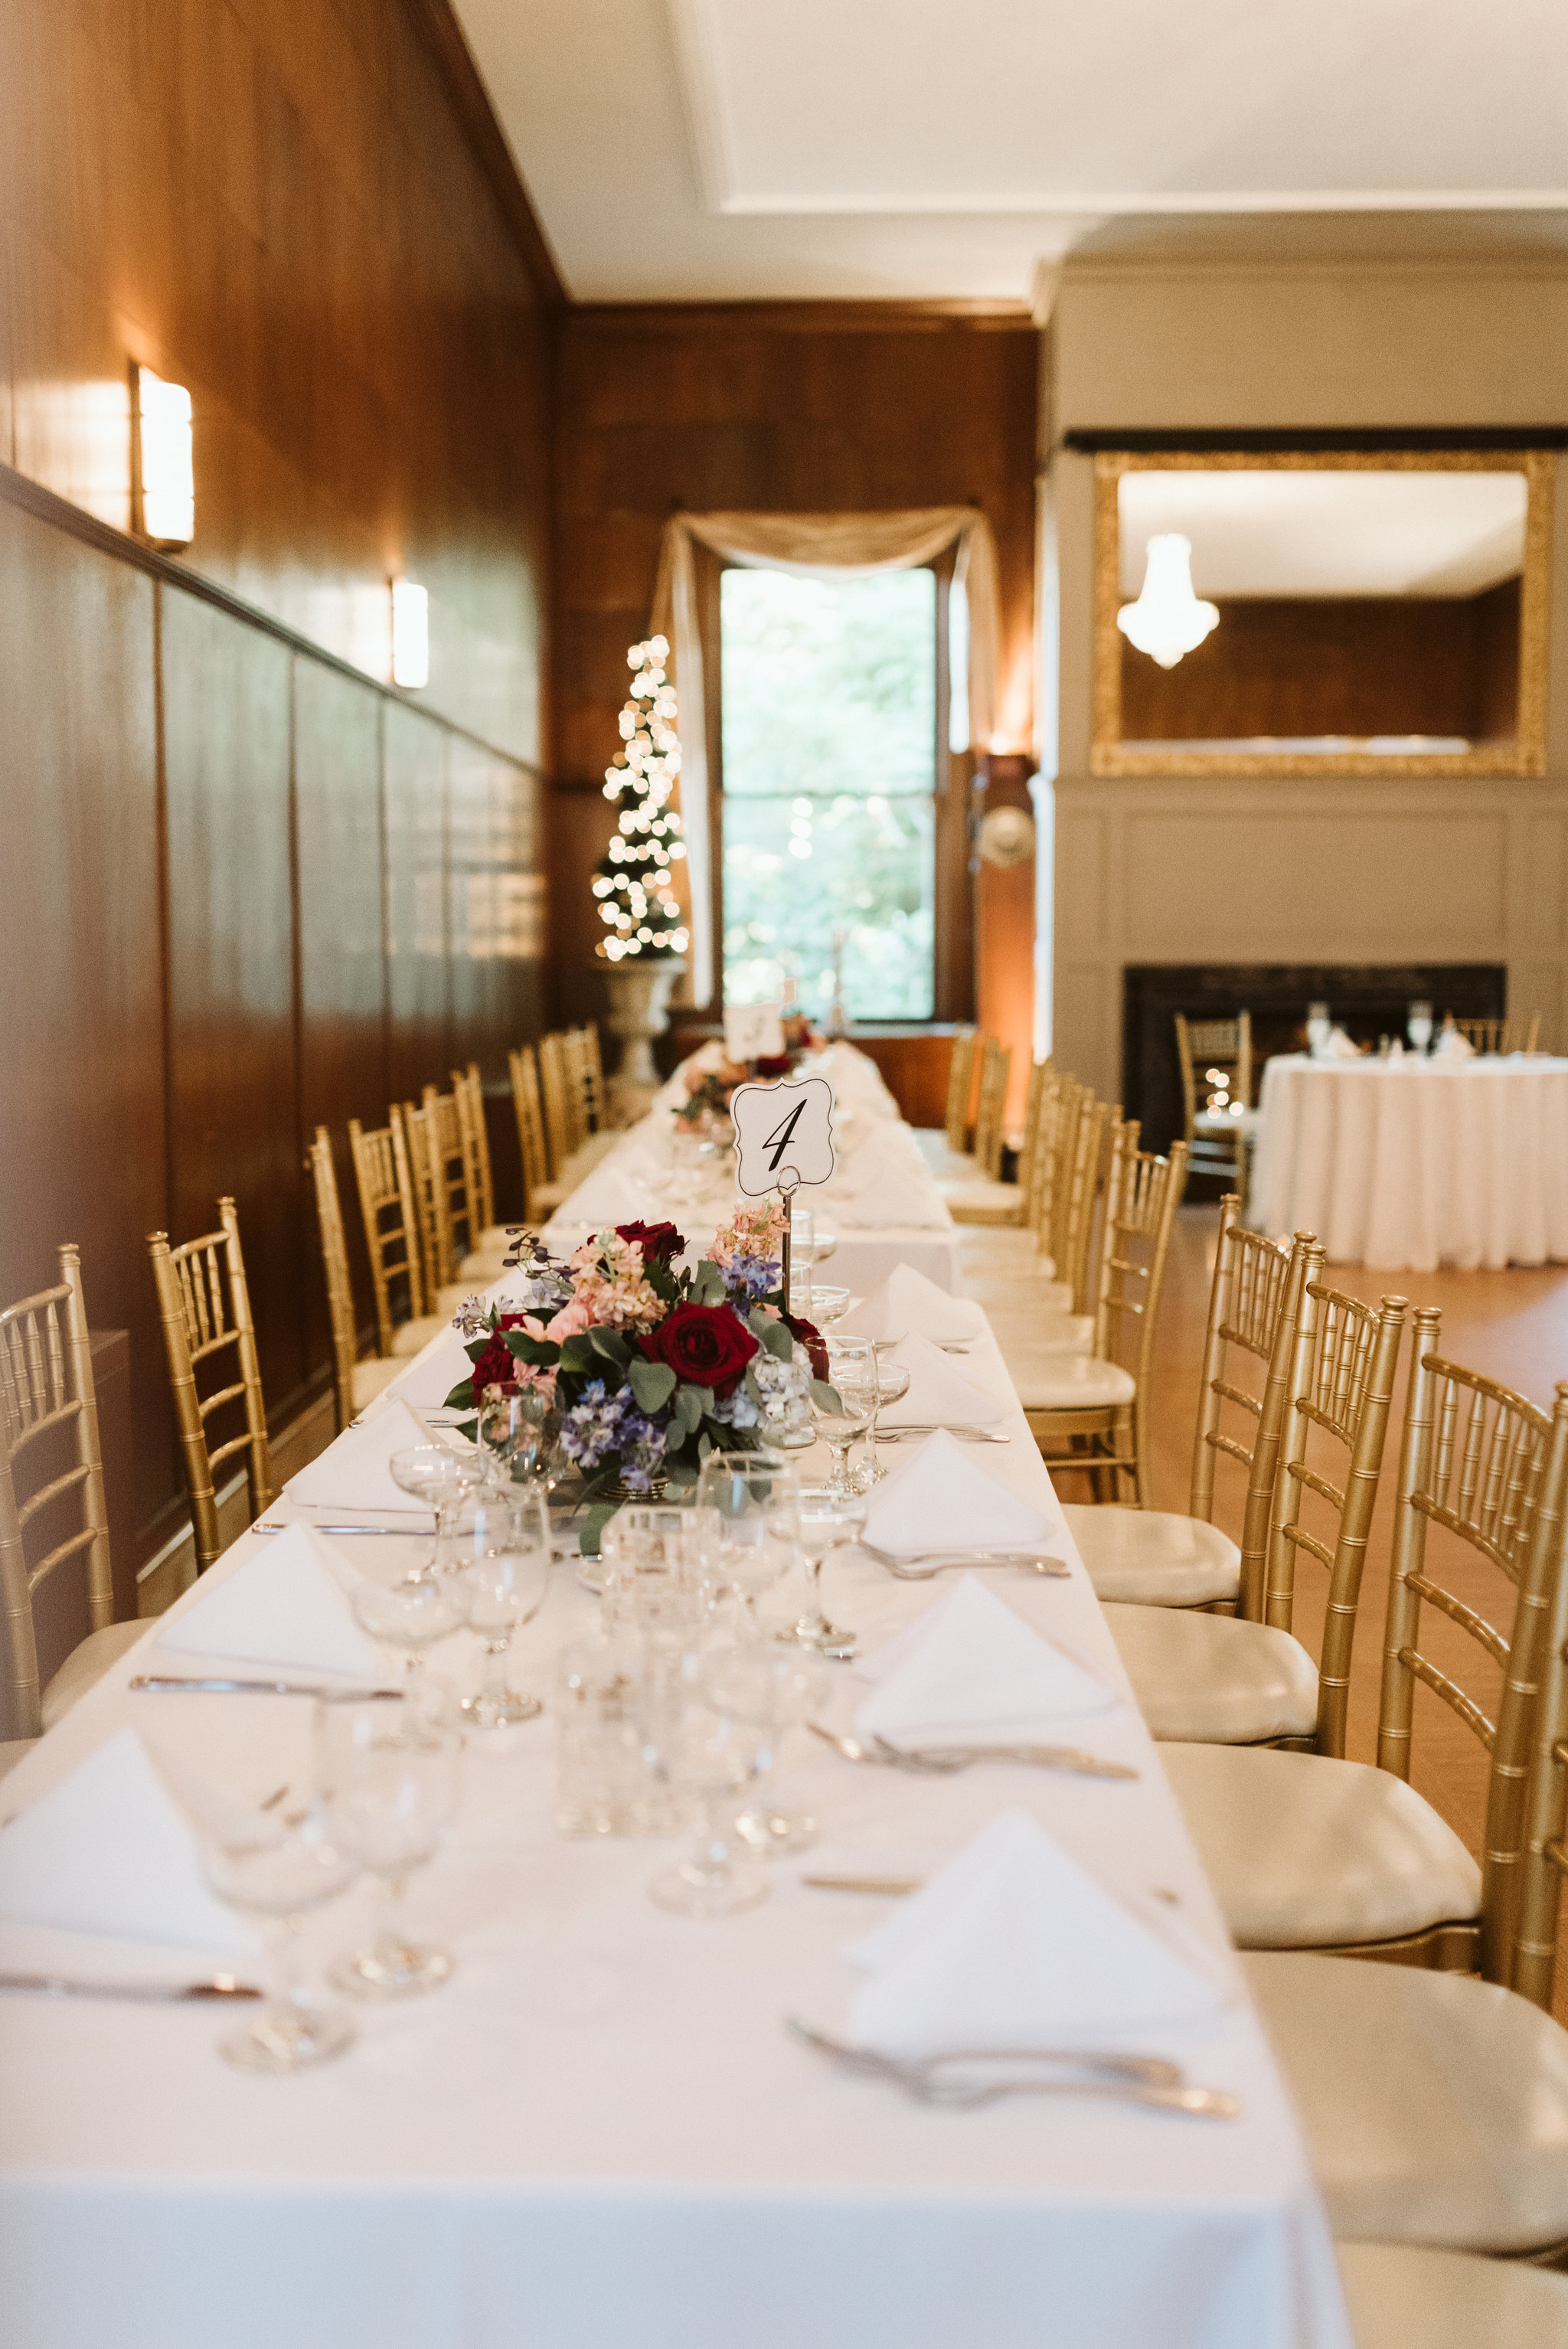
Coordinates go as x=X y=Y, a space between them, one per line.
x=497 y=1366
x=773 y=1064
x=807 y=1334
x=658 y=1242
x=707 y=1344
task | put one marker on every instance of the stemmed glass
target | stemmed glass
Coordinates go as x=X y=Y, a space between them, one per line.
x=707 y=1753
x=1319 y=1027
x=390 y=1779
x=274 y=1867
x=410 y=1616
x=519 y=1430
x=853 y=1381
x=892 y=1385
x=439 y=1477
x=829 y=1521
x=748 y=1528
x=498 y=1557
x=829 y=1303
x=774 y=1691
x=1418 y=1025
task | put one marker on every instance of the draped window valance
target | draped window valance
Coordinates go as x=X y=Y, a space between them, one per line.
x=812 y=547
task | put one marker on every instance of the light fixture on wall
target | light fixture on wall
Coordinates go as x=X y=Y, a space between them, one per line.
x=162 y=463
x=410 y=634
x=1168 y=618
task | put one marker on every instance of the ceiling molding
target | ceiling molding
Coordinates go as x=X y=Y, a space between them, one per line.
x=1283 y=442
x=808 y=318
x=443 y=37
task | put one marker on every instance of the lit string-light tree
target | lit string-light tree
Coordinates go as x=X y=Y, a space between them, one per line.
x=633 y=883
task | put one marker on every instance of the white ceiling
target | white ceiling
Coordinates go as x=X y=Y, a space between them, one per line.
x=730 y=149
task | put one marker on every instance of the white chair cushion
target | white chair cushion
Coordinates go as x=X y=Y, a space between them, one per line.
x=1400 y=2297
x=1006 y=1292
x=1435 y=2107
x=1050 y=1381
x=1208 y=1677
x=977 y=1201
x=414 y=1336
x=1149 y=1557
x=999 y=1250
x=87 y=1664
x=1049 y=1333
x=370 y=1377
x=1306 y=1853
x=14 y=1750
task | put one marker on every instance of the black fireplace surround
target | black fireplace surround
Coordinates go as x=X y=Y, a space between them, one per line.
x=1367 y=999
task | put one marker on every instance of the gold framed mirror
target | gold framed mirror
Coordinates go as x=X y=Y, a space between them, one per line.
x=1306 y=613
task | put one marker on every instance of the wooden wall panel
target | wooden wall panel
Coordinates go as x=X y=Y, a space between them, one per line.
x=233 y=1074
x=81 y=1064
x=418 y=973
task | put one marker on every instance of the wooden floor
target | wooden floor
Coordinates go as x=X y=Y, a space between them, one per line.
x=1511 y=1325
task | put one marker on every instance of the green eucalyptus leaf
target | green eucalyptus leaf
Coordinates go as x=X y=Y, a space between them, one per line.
x=652 y=1383
x=776 y=1339
x=592 y=1527
x=825 y=1397
x=461 y=1396
x=611 y=1344
x=708 y=1286
x=577 y=1354
x=531 y=1349
x=680 y=1472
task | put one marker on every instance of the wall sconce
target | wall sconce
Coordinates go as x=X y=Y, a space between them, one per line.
x=162 y=466
x=410 y=634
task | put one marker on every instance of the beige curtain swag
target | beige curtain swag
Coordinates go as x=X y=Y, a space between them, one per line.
x=811 y=545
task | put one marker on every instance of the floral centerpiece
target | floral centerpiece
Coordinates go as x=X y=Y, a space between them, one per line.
x=649 y=1366
x=708 y=1089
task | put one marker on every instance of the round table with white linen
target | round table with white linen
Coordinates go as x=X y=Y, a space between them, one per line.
x=1407 y=1164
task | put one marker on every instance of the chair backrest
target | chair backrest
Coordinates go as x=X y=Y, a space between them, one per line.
x=596 y=1075
x=1141 y=1196
x=960 y=1084
x=584 y=1085
x=1474 y=1462
x=1499 y=1035
x=386 y=1185
x=1072 y=1104
x=47 y=1383
x=1037 y=1167
x=990 y=1115
x=529 y=1114
x=1215 y=1058
x=1029 y=1141
x=1081 y=1194
x=1531 y=1951
x=453 y=1173
x=339 y=1286
x=556 y=1091
x=1342 y=1371
x=432 y=1210
x=469 y=1092
x=1253 y=1301
x=205 y=1308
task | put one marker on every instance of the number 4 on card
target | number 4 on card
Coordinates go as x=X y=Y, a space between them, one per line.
x=783 y=1135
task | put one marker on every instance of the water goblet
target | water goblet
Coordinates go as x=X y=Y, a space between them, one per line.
x=748 y=1528
x=845 y=1411
x=829 y=1303
x=774 y=1690
x=409 y=1616
x=440 y=1476
x=830 y=1520
x=706 y=1754
x=1418 y=1025
x=892 y=1385
x=1319 y=1027
x=274 y=1867
x=499 y=1556
x=389 y=1775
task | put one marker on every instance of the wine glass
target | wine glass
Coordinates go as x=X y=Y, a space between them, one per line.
x=1418 y=1025
x=519 y=1430
x=829 y=1303
x=892 y=1385
x=748 y=1527
x=774 y=1690
x=707 y=1753
x=440 y=1476
x=1319 y=1027
x=498 y=1554
x=409 y=1616
x=847 y=1410
x=830 y=1520
x=389 y=1775
x=274 y=1867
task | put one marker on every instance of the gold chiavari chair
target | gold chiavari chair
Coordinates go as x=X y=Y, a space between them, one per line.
x=1305 y=1851
x=448 y=1163
x=47 y=1394
x=1435 y=2106
x=1215 y=1059
x=1499 y=1036
x=486 y=1259
x=1251 y=1682
x=1007 y=1254
x=1155 y=1557
x=355 y=1382
x=386 y=1185
x=1091 y=1411
x=990 y=1115
x=1400 y=2294
x=984 y=1199
x=587 y=1129
x=432 y=1170
x=960 y=1085
x=205 y=1308
x=560 y=1133
x=540 y=1195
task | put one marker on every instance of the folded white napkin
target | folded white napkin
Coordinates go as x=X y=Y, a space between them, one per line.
x=939 y=1394
x=1339 y=1047
x=108 y=1850
x=969 y=1663
x=887 y=1150
x=352 y=1473
x=1451 y=1045
x=286 y=1606
x=906 y=1300
x=894 y=1200
x=941 y=1499
x=1013 y=1944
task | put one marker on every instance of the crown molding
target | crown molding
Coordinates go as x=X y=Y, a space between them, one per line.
x=806 y=317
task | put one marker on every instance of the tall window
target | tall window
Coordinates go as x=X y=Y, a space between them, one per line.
x=829 y=718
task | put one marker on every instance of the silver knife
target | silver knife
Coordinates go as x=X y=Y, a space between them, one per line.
x=963 y=1434
x=62 y=1986
x=272 y=1526
x=183 y=1684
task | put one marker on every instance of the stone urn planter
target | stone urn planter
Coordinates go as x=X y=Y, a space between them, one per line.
x=639 y=1010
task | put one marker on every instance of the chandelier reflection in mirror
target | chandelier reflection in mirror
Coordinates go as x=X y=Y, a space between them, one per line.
x=1168 y=618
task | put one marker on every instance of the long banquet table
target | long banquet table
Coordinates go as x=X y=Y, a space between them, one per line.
x=598 y=2132
x=1412 y=1163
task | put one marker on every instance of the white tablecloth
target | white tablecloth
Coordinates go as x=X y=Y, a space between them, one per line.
x=1408 y=1165
x=633 y=1183
x=598 y=2136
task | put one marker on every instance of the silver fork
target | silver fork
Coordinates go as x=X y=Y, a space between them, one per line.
x=1062 y=2071
x=941 y=1761
x=900 y=1571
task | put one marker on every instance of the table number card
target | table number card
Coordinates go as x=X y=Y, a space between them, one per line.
x=783 y=1135
x=753 y=1031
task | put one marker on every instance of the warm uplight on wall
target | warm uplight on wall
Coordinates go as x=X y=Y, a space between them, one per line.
x=1168 y=618
x=410 y=634
x=163 y=477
